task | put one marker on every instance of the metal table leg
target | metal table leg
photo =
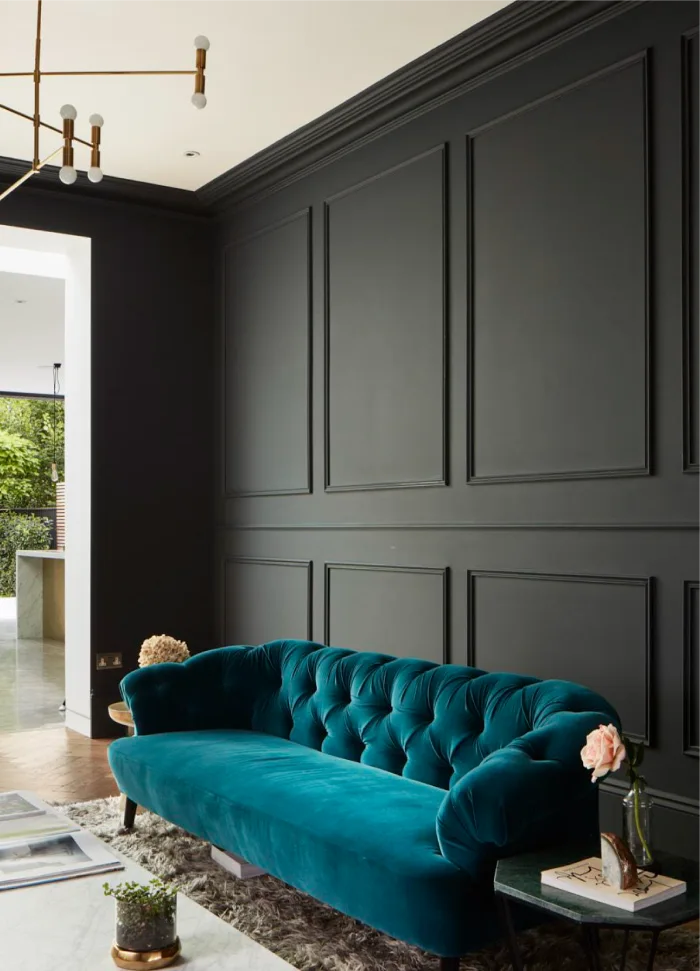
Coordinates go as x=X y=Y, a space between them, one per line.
x=512 y=941
x=652 y=950
x=590 y=944
x=625 y=944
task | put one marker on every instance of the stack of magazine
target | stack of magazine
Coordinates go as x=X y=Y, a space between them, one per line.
x=39 y=846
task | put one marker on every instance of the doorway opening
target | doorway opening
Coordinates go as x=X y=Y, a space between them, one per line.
x=45 y=666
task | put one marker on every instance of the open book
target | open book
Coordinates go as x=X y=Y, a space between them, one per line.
x=585 y=879
x=37 y=845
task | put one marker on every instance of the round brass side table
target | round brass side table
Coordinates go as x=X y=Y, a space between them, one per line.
x=120 y=714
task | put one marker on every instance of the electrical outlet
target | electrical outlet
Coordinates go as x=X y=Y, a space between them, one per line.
x=109 y=661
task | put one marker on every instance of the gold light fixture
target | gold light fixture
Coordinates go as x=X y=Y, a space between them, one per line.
x=68 y=173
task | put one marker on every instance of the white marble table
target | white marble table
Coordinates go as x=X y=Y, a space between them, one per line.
x=70 y=925
x=30 y=590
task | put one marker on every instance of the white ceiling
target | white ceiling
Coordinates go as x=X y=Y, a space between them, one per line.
x=274 y=65
x=31 y=333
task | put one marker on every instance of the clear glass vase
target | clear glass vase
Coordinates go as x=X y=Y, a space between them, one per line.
x=137 y=928
x=636 y=824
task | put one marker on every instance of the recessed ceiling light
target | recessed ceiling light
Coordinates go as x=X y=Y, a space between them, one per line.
x=191 y=153
x=20 y=301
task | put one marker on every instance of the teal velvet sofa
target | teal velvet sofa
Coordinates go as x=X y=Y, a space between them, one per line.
x=385 y=787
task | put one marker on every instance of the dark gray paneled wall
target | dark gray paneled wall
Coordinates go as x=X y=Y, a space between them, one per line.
x=460 y=390
x=690 y=242
x=267 y=280
x=385 y=301
x=558 y=295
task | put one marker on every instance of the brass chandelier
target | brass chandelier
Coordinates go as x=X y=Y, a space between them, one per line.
x=68 y=173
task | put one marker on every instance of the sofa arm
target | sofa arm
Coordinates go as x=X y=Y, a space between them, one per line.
x=183 y=697
x=533 y=792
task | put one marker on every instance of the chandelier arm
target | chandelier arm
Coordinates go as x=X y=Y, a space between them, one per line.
x=37 y=81
x=44 y=124
x=29 y=173
x=66 y=74
x=75 y=74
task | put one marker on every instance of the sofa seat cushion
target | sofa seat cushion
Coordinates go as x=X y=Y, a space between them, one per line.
x=360 y=839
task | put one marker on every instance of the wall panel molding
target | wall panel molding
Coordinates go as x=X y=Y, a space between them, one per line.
x=443 y=572
x=691 y=668
x=306 y=565
x=441 y=479
x=645 y=583
x=237 y=244
x=668 y=800
x=466 y=525
x=644 y=467
x=689 y=204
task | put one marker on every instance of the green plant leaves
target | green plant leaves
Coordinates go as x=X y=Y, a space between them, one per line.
x=155 y=897
x=19 y=532
x=27 y=451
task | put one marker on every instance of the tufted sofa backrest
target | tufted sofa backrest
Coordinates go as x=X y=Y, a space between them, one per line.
x=432 y=723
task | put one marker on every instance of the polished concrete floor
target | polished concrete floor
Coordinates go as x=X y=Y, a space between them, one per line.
x=31 y=678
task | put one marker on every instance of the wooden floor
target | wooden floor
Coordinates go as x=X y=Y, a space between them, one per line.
x=36 y=751
x=57 y=764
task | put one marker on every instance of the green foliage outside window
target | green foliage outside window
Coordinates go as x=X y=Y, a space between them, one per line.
x=27 y=451
x=19 y=532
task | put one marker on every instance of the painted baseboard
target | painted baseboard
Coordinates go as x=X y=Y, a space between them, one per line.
x=78 y=723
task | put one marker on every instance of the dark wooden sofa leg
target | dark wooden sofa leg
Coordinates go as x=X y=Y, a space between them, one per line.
x=129 y=813
x=449 y=964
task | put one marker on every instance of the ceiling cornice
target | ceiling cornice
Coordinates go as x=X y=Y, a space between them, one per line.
x=110 y=189
x=516 y=33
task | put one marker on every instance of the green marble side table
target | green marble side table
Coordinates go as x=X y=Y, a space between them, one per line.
x=518 y=879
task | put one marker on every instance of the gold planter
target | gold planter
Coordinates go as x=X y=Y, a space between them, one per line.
x=145 y=960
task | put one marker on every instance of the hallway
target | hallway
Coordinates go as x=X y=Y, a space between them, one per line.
x=31 y=678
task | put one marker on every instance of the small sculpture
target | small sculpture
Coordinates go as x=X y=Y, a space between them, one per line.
x=619 y=868
x=160 y=648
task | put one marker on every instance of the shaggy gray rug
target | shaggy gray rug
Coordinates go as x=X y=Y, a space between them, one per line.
x=313 y=937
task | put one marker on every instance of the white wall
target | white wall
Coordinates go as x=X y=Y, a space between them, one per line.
x=69 y=257
x=32 y=325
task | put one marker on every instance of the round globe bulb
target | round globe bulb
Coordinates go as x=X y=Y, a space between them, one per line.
x=96 y=120
x=69 y=112
x=201 y=42
x=68 y=174
x=199 y=100
x=95 y=173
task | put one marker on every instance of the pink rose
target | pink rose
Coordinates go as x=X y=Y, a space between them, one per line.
x=603 y=751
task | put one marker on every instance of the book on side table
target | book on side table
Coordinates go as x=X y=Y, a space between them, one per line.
x=585 y=879
x=37 y=845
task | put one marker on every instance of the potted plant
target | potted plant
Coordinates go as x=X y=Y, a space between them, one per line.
x=145 y=923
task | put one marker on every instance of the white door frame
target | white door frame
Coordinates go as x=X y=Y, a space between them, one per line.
x=39 y=253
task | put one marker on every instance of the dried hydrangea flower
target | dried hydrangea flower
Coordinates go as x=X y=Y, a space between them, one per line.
x=160 y=648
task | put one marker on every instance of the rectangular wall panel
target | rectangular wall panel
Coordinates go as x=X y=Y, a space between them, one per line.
x=592 y=630
x=558 y=285
x=691 y=668
x=266 y=599
x=691 y=252
x=385 y=380
x=389 y=609
x=267 y=344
